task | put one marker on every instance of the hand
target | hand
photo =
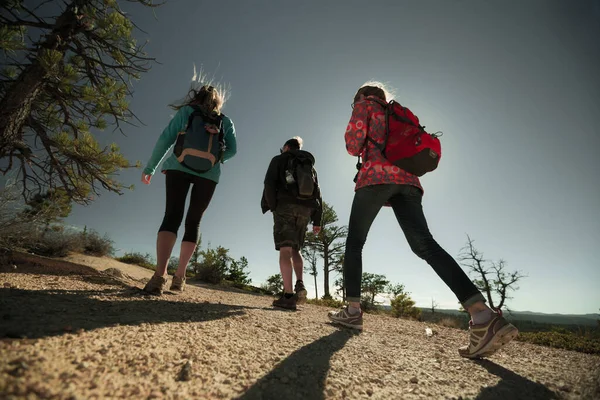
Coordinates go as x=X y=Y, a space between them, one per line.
x=146 y=178
x=316 y=230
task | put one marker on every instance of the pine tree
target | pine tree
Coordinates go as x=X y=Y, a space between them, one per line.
x=310 y=256
x=237 y=272
x=329 y=244
x=274 y=284
x=66 y=73
x=402 y=304
x=371 y=286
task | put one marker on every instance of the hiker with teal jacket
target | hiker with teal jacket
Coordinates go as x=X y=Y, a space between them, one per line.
x=202 y=139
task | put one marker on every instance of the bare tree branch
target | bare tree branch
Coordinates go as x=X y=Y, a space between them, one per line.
x=492 y=280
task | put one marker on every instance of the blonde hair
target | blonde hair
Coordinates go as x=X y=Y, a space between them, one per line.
x=206 y=93
x=374 y=88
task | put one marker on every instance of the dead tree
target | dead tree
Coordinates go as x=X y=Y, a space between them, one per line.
x=491 y=277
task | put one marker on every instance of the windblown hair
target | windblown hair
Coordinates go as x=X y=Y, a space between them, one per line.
x=208 y=95
x=373 y=88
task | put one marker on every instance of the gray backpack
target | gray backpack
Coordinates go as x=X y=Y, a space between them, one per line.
x=300 y=178
x=201 y=145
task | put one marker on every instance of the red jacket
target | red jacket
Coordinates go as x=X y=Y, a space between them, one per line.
x=368 y=119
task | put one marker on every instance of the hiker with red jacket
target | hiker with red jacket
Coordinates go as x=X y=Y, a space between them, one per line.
x=379 y=183
x=202 y=138
x=293 y=195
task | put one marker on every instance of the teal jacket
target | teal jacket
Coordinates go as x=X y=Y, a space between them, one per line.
x=169 y=136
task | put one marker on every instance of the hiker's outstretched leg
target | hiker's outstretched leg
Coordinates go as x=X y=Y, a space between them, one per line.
x=409 y=213
x=489 y=330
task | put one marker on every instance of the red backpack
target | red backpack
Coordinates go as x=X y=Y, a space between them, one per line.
x=407 y=145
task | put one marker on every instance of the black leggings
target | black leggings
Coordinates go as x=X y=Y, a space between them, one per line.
x=178 y=184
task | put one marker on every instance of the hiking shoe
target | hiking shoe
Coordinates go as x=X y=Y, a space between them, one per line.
x=177 y=284
x=343 y=317
x=486 y=339
x=300 y=292
x=155 y=285
x=283 y=302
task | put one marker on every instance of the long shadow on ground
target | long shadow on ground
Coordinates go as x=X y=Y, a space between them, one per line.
x=41 y=313
x=302 y=374
x=512 y=385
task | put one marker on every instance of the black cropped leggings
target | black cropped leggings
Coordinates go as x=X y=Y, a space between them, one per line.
x=178 y=184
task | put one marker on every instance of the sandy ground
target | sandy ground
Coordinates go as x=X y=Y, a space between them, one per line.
x=82 y=329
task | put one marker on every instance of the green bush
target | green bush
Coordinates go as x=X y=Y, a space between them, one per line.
x=326 y=302
x=561 y=340
x=245 y=287
x=210 y=273
x=274 y=284
x=403 y=306
x=143 y=260
x=96 y=245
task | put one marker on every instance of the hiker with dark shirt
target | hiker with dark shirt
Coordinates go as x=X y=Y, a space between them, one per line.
x=203 y=138
x=380 y=183
x=293 y=195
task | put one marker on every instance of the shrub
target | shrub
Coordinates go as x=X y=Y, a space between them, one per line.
x=403 y=306
x=143 y=260
x=274 y=284
x=56 y=244
x=560 y=340
x=96 y=245
x=210 y=273
x=245 y=287
x=326 y=302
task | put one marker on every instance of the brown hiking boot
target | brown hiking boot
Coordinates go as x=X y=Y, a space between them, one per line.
x=343 y=317
x=177 y=284
x=155 y=285
x=300 y=292
x=486 y=339
x=283 y=302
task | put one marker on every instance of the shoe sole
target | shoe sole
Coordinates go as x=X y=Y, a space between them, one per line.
x=347 y=325
x=504 y=336
x=301 y=296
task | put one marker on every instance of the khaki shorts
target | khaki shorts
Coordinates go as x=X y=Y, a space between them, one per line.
x=290 y=225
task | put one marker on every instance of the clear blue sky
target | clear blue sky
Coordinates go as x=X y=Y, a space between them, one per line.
x=514 y=86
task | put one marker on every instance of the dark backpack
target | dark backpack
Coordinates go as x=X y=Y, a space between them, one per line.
x=201 y=145
x=407 y=145
x=301 y=177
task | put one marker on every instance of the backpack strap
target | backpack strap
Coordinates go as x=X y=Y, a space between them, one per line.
x=386 y=107
x=197 y=111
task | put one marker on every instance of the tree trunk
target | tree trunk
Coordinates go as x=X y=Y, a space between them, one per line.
x=15 y=106
x=326 y=272
x=316 y=289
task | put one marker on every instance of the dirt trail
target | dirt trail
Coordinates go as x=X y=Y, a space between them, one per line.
x=71 y=331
